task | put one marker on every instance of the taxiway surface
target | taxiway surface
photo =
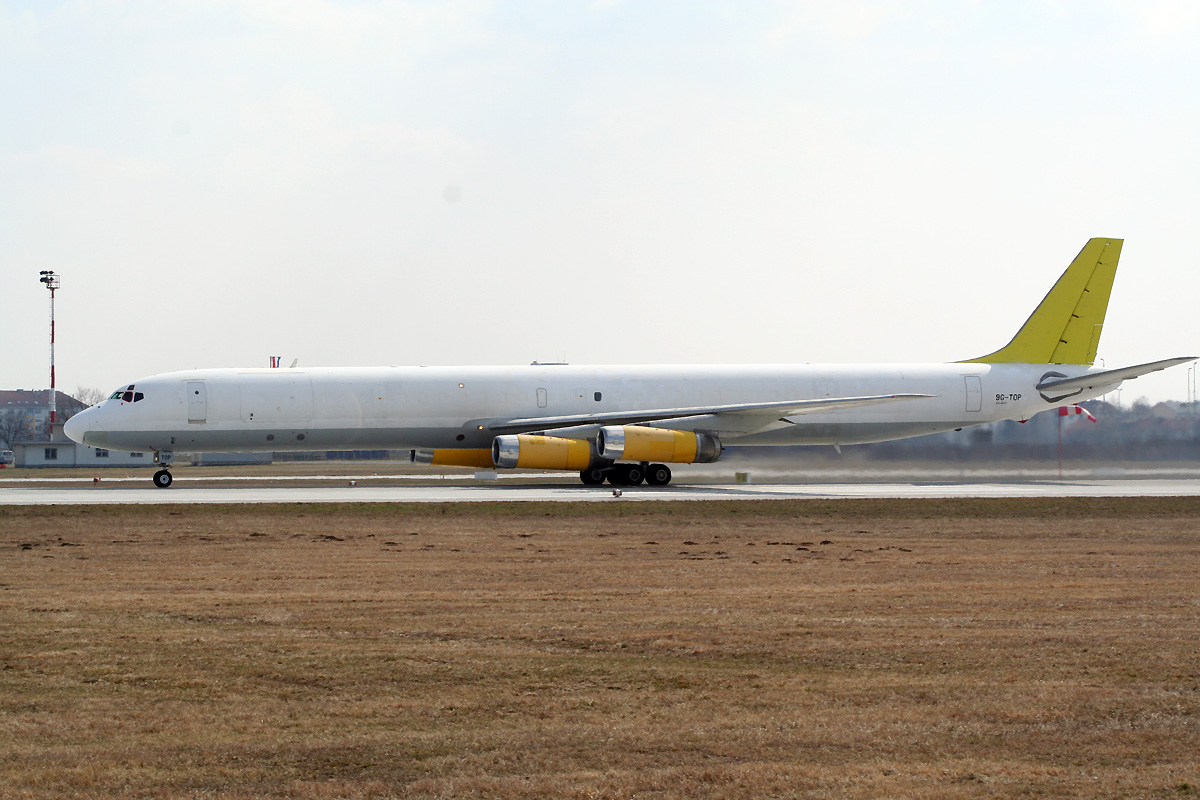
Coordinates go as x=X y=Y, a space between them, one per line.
x=459 y=493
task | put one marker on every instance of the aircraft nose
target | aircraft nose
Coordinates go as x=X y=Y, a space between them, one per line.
x=78 y=425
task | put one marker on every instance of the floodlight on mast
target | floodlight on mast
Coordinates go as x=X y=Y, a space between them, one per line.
x=50 y=278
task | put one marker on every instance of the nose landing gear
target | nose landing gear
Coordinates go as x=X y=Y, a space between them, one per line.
x=162 y=478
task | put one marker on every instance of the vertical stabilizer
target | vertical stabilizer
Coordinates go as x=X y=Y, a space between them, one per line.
x=1065 y=327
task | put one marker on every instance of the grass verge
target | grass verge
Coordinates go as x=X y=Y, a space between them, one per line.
x=900 y=648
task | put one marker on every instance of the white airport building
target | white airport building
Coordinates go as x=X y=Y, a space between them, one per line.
x=59 y=451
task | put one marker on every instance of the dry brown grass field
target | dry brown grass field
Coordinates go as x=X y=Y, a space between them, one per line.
x=847 y=649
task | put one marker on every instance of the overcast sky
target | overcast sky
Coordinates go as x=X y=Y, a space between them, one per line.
x=364 y=183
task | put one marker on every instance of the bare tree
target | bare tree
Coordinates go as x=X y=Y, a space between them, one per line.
x=70 y=405
x=88 y=395
x=14 y=426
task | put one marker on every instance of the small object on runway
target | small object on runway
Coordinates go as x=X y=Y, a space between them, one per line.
x=354 y=483
x=616 y=492
x=95 y=479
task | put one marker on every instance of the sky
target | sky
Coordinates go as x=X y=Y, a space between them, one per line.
x=366 y=183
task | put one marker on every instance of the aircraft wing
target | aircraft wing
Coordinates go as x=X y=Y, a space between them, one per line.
x=1108 y=377
x=782 y=408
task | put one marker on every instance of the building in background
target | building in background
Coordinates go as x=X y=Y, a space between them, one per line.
x=25 y=414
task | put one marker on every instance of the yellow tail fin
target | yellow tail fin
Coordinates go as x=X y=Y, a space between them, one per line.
x=1065 y=327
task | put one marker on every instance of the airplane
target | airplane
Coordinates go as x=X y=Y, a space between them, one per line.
x=620 y=424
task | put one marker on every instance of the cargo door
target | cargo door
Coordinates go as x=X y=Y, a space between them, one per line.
x=286 y=397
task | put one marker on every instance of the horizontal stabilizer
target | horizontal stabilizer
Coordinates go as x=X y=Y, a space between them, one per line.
x=1109 y=377
x=783 y=408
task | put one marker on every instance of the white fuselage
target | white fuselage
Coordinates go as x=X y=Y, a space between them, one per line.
x=451 y=407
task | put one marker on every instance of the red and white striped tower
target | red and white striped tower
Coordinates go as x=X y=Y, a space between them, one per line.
x=51 y=280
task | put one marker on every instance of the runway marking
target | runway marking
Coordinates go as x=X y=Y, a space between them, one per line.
x=101 y=494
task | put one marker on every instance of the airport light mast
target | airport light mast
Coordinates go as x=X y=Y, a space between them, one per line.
x=50 y=279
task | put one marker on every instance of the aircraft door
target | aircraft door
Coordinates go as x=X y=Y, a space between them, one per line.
x=197 y=397
x=974 y=393
x=378 y=401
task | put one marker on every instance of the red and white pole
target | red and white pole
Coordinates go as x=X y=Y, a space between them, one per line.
x=53 y=393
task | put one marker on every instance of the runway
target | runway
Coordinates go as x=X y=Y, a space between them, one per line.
x=107 y=494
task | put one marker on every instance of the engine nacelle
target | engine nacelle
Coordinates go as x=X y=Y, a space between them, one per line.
x=541 y=452
x=453 y=457
x=636 y=443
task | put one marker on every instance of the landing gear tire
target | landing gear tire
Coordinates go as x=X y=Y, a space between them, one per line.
x=162 y=479
x=658 y=475
x=592 y=477
x=626 y=475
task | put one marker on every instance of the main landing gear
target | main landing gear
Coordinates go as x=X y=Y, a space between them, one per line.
x=627 y=475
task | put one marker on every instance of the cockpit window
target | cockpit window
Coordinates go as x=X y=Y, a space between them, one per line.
x=127 y=395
